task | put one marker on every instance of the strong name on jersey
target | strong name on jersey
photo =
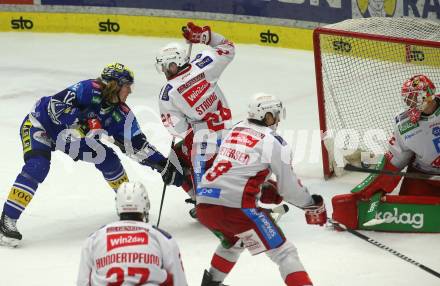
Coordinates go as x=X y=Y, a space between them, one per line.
x=420 y=140
x=247 y=157
x=130 y=253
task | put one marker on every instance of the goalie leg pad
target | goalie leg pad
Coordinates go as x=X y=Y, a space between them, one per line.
x=345 y=210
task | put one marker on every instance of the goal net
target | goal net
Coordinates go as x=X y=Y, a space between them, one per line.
x=361 y=65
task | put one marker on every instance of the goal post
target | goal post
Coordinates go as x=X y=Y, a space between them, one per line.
x=360 y=67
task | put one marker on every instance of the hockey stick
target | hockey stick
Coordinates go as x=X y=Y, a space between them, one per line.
x=384 y=247
x=421 y=176
x=164 y=186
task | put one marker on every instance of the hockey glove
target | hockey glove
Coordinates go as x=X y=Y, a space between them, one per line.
x=196 y=34
x=84 y=127
x=170 y=174
x=316 y=213
x=269 y=193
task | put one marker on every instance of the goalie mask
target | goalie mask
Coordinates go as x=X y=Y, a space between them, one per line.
x=265 y=103
x=171 y=53
x=417 y=92
x=132 y=198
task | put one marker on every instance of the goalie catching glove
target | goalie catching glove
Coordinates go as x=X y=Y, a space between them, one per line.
x=196 y=34
x=316 y=213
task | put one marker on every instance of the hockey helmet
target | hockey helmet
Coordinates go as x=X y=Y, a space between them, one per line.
x=171 y=53
x=417 y=91
x=117 y=72
x=263 y=103
x=132 y=198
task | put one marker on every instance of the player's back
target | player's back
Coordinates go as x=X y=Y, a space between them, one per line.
x=241 y=166
x=128 y=252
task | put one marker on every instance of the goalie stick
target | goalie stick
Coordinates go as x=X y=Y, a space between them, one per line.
x=413 y=175
x=384 y=247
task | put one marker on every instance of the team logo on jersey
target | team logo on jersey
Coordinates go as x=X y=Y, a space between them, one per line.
x=203 y=63
x=164 y=94
x=116 y=116
x=242 y=139
x=191 y=82
x=209 y=192
x=96 y=99
x=407 y=126
x=436 y=131
x=196 y=92
x=436 y=142
x=126 y=239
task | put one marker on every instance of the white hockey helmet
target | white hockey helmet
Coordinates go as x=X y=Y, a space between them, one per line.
x=132 y=198
x=171 y=53
x=263 y=103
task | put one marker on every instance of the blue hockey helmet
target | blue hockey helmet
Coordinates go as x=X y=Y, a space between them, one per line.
x=117 y=72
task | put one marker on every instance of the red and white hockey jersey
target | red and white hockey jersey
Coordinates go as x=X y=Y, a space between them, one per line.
x=417 y=144
x=192 y=98
x=130 y=253
x=247 y=157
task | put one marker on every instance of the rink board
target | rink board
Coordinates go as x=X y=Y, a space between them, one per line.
x=149 y=26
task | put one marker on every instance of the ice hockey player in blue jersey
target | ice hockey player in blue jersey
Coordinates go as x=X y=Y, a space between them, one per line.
x=72 y=121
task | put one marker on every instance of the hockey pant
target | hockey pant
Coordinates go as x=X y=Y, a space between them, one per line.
x=37 y=149
x=255 y=230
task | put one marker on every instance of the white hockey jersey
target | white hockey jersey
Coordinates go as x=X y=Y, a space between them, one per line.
x=192 y=98
x=247 y=157
x=417 y=144
x=130 y=253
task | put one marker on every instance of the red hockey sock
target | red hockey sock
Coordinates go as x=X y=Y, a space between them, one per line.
x=222 y=264
x=300 y=278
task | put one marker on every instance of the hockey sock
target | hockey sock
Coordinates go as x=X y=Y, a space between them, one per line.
x=286 y=257
x=300 y=278
x=224 y=260
x=117 y=180
x=22 y=191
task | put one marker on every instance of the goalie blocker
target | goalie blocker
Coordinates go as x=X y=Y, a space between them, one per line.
x=399 y=213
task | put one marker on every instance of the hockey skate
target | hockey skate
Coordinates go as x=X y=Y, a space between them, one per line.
x=207 y=280
x=9 y=235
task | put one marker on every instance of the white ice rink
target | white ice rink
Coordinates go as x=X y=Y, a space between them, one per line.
x=75 y=200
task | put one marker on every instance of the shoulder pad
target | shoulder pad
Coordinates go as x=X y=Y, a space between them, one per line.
x=279 y=138
x=166 y=234
x=164 y=92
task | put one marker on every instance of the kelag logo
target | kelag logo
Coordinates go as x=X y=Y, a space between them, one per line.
x=268 y=37
x=341 y=46
x=21 y=23
x=109 y=26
